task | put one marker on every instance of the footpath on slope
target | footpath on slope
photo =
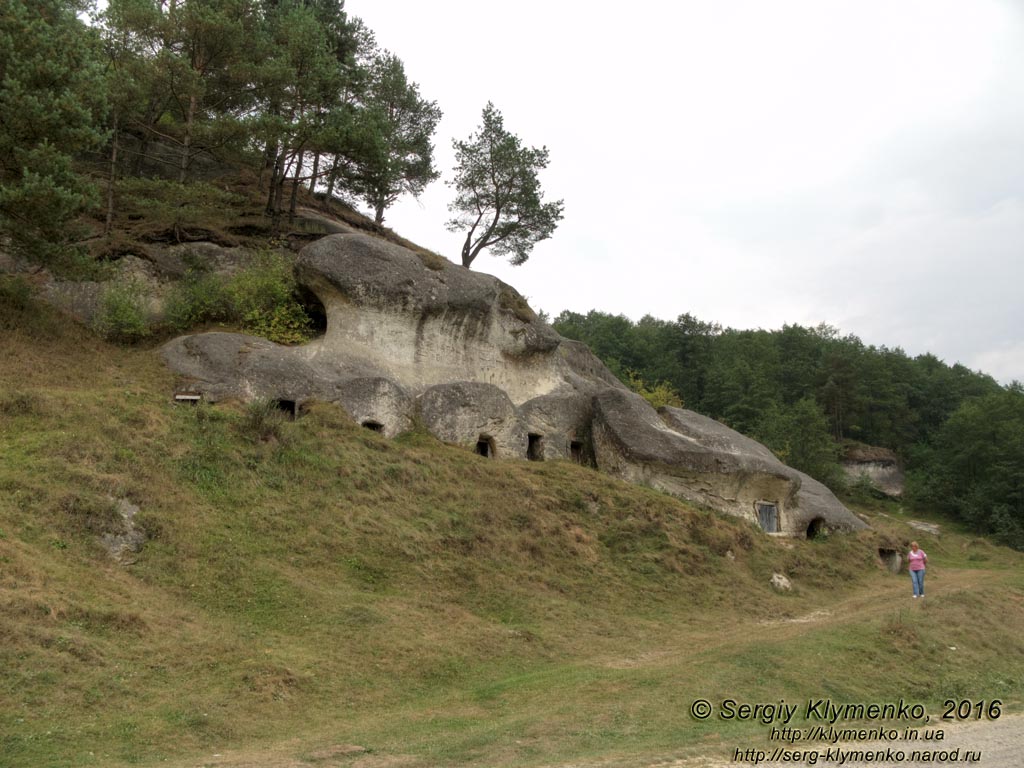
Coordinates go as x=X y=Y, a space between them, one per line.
x=996 y=743
x=1000 y=742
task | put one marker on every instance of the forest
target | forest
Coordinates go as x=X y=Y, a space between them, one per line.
x=807 y=393
x=296 y=91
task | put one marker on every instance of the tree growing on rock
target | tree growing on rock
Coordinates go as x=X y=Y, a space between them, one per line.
x=499 y=202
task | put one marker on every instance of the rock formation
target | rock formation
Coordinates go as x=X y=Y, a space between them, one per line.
x=881 y=466
x=462 y=352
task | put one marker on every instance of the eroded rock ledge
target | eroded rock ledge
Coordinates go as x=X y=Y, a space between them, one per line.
x=463 y=352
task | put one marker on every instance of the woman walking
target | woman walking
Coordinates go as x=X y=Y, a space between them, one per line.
x=918 y=560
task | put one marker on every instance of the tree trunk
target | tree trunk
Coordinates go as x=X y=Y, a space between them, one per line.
x=269 y=159
x=293 y=203
x=272 y=164
x=316 y=172
x=378 y=218
x=187 y=144
x=113 y=177
x=467 y=254
x=152 y=115
x=332 y=179
x=277 y=192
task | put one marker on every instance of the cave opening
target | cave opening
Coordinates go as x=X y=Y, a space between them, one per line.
x=535 y=447
x=816 y=528
x=485 y=446
x=289 y=407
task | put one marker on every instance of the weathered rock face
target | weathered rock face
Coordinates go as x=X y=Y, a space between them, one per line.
x=422 y=326
x=462 y=352
x=699 y=459
x=880 y=465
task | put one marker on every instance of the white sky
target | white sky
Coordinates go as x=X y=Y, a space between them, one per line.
x=753 y=163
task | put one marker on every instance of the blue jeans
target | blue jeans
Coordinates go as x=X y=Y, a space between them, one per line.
x=917 y=577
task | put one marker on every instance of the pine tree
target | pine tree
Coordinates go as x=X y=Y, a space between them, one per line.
x=401 y=158
x=52 y=102
x=498 y=201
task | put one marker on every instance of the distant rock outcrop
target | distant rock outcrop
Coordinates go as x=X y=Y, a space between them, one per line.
x=881 y=466
x=464 y=354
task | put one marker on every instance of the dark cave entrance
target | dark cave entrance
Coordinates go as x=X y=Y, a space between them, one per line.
x=816 y=528
x=535 y=447
x=374 y=426
x=314 y=308
x=485 y=446
x=289 y=407
x=891 y=559
x=576 y=451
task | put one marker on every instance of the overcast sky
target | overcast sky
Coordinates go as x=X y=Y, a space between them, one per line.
x=752 y=163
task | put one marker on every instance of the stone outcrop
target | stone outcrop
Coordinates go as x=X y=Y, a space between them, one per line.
x=702 y=460
x=881 y=466
x=462 y=352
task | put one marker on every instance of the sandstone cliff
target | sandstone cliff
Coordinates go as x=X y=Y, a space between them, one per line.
x=463 y=353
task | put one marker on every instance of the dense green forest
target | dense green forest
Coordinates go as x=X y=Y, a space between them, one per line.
x=805 y=392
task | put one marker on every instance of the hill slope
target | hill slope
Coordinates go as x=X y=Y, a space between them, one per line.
x=310 y=585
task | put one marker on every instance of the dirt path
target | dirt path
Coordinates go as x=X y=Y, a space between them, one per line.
x=733 y=631
x=991 y=743
x=999 y=742
x=996 y=743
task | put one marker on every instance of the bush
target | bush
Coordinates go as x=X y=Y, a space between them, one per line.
x=199 y=298
x=15 y=293
x=659 y=395
x=121 y=316
x=285 y=324
x=261 y=298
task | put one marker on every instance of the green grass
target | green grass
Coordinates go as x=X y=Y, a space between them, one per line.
x=317 y=585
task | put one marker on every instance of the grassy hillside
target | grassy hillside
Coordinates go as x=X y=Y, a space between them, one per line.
x=313 y=594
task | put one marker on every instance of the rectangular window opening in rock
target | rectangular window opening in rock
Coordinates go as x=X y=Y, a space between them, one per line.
x=485 y=446
x=768 y=516
x=576 y=451
x=535 y=447
x=891 y=559
x=288 y=407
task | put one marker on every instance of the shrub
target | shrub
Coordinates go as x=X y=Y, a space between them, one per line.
x=659 y=395
x=199 y=298
x=285 y=324
x=121 y=316
x=15 y=293
x=261 y=298
x=266 y=283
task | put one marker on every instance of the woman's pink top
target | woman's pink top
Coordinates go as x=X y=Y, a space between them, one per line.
x=917 y=560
